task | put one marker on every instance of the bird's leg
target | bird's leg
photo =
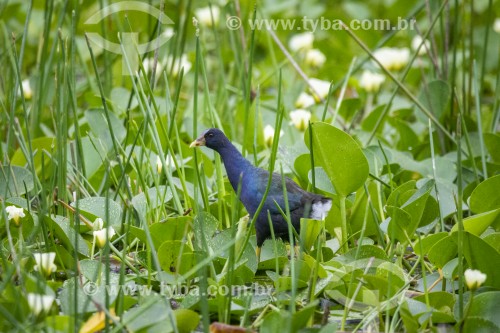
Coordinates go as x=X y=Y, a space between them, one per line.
x=296 y=249
x=257 y=252
x=293 y=253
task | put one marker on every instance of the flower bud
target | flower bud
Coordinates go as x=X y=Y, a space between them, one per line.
x=300 y=119
x=45 y=263
x=392 y=58
x=474 y=278
x=40 y=303
x=102 y=236
x=305 y=100
x=204 y=16
x=315 y=58
x=319 y=88
x=15 y=214
x=371 y=82
x=301 y=42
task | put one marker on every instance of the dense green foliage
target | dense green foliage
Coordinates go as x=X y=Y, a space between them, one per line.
x=146 y=234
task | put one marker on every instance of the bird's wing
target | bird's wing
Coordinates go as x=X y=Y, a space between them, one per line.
x=296 y=195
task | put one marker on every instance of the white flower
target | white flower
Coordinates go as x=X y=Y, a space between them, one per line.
x=474 y=278
x=40 y=303
x=371 y=81
x=148 y=64
x=319 y=88
x=315 y=58
x=305 y=100
x=178 y=64
x=300 y=119
x=496 y=25
x=168 y=33
x=159 y=164
x=100 y=236
x=415 y=43
x=45 y=263
x=168 y=160
x=392 y=58
x=14 y=213
x=28 y=93
x=204 y=16
x=269 y=135
x=301 y=42
x=98 y=224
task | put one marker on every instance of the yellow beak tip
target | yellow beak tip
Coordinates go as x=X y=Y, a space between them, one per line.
x=197 y=143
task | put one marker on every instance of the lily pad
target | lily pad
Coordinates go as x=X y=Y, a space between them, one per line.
x=478 y=254
x=340 y=156
x=156 y=197
x=99 y=125
x=175 y=256
x=435 y=97
x=66 y=234
x=43 y=148
x=147 y=315
x=90 y=297
x=477 y=224
x=15 y=181
x=492 y=142
x=204 y=227
x=483 y=312
x=485 y=196
x=405 y=220
x=102 y=207
x=175 y=228
x=423 y=246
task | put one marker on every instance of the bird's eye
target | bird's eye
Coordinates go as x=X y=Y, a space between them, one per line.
x=210 y=135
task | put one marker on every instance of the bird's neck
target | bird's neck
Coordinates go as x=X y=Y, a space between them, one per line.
x=234 y=163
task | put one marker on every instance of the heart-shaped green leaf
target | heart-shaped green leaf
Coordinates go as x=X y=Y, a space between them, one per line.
x=14 y=181
x=484 y=307
x=340 y=156
x=104 y=208
x=174 y=228
x=477 y=224
x=156 y=196
x=435 y=97
x=485 y=196
x=492 y=142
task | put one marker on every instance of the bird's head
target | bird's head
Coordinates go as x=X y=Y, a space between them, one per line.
x=213 y=138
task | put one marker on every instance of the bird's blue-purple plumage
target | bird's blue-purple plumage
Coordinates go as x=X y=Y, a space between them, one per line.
x=253 y=185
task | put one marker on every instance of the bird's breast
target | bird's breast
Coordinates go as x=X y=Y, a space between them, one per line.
x=251 y=193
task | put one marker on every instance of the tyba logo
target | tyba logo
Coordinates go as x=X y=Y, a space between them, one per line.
x=128 y=45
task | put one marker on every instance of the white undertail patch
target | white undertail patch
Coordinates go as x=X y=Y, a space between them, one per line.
x=319 y=210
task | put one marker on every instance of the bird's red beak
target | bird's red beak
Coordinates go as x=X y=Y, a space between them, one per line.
x=198 y=142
